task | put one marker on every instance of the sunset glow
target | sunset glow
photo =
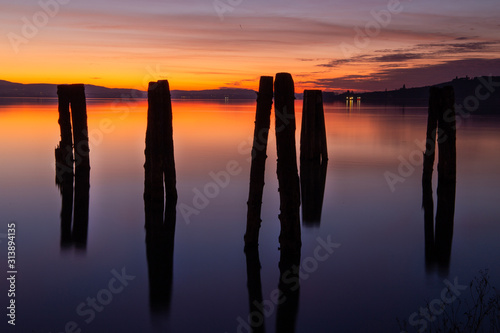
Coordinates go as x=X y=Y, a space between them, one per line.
x=198 y=44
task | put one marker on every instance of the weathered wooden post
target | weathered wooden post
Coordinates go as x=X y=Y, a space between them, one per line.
x=159 y=152
x=259 y=155
x=74 y=132
x=82 y=164
x=64 y=151
x=447 y=137
x=441 y=118
x=430 y=145
x=287 y=172
x=313 y=157
x=313 y=133
x=80 y=128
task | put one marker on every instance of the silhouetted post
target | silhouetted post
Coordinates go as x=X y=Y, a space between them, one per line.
x=287 y=172
x=80 y=129
x=441 y=116
x=160 y=195
x=447 y=137
x=430 y=145
x=313 y=133
x=257 y=170
x=160 y=163
x=313 y=157
x=73 y=148
x=64 y=151
x=82 y=164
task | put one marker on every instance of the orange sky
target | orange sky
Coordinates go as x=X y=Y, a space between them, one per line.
x=197 y=44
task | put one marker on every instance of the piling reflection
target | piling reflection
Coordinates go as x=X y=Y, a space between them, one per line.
x=312 y=185
x=73 y=126
x=289 y=287
x=438 y=235
x=160 y=233
x=254 y=285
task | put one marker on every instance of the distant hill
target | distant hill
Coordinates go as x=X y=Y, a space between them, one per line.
x=465 y=94
x=11 y=89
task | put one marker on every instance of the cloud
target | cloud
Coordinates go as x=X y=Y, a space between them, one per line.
x=393 y=78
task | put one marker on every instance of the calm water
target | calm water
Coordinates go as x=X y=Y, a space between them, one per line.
x=376 y=274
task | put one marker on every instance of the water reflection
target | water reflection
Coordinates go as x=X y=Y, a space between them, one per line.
x=254 y=285
x=438 y=236
x=312 y=185
x=160 y=232
x=74 y=222
x=289 y=287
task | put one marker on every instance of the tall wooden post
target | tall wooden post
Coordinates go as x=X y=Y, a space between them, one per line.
x=287 y=172
x=74 y=132
x=430 y=145
x=441 y=119
x=313 y=133
x=80 y=129
x=160 y=195
x=160 y=163
x=259 y=156
x=64 y=150
x=313 y=157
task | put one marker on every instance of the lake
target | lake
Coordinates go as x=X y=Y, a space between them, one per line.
x=363 y=265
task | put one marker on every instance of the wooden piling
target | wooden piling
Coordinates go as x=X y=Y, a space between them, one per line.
x=313 y=133
x=313 y=157
x=159 y=152
x=259 y=156
x=64 y=150
x=80 y=128
x=287 y=172
x=430 y=145
x=73 y=149
x=447 y=137
x=441 y=120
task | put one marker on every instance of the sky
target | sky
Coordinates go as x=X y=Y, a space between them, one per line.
x=362 y=45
